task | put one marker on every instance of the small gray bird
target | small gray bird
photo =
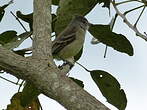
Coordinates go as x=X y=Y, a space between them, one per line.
x=69 y=42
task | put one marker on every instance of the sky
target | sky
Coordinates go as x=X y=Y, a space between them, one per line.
x=131 y=71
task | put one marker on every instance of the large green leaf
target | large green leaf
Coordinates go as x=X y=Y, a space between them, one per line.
x=117 y=41
x=15 y=103
x=110 y=88
x=27 y=18
x=2 y=11
x=10 y=40
x=69 y=8
x=29 y=94
x=18 y=40
x=7 y=37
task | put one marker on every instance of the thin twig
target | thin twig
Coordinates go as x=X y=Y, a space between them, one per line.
x=18 y=81
x=128 y=23
x=20 y=85
x=8 y=80
x=105 y=53
x=133 y=9
x=145 y=33
x=40 y=104
x=10 y=2
x=139 y=16
x=119 y=3
x=18 y=21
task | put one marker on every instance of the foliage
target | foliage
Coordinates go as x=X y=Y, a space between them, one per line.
x=108 y=85
x=110 y=88
x=15 y=103
x=118 y=41
x=10 y=40
x=2 y=10
x=28 y=95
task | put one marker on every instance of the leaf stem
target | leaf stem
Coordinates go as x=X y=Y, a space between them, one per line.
x=83 y=67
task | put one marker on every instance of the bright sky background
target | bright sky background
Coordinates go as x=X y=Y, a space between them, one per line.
x=131 y=72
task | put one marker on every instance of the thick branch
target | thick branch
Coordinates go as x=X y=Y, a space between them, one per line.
x=50 y=81
x=12 y=63
x=42 y=29
x=47 y=78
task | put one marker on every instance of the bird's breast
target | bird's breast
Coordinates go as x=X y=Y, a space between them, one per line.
x=74 y=47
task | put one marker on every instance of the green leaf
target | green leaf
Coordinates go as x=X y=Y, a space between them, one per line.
x=79 y=82
x=7 y=36
x=2 y=11
x=78 y=56
x=27 y=18
x=110 y=88
x=117 y=41
x=55 y=2
x=10 y=40
x=69 y=8
x=106 y=3
x=29 y=94
x=18 y=40
x=15 y=103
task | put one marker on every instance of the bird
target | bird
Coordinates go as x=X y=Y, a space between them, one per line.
x=70 y=41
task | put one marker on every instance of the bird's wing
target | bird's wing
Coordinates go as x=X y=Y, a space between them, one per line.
x=60 y=42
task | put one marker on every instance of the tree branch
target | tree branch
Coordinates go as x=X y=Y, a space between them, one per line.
x=12 y=63
x=49 y=81
x=47 y=78
x=134 y=28
x=42 y=30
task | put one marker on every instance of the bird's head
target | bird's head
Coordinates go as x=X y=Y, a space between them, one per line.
x=81 y=21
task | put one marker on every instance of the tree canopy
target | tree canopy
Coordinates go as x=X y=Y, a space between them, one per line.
x=35 y=68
